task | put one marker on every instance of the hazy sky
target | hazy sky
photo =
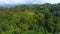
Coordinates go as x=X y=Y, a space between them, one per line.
x=28 y=1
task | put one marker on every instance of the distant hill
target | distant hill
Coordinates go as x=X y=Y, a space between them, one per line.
x=8 y=5
x=12 y=5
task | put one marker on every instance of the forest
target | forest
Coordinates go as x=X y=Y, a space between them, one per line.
x=30 y=19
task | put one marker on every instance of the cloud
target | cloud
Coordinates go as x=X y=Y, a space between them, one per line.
x=20 y=1
x=11 y=1
x=28 y=1
x=51 y=1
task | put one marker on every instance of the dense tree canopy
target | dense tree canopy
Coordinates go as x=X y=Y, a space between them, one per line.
x=30 y=19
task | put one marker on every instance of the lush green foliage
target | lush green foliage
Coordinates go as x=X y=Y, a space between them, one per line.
x=39 y=19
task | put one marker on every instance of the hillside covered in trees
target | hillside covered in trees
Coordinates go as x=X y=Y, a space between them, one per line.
x=30 y=19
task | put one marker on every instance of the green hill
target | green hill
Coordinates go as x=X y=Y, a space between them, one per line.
x=26 y=19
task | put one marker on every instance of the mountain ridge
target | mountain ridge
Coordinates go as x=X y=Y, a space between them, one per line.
x=12 y=5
